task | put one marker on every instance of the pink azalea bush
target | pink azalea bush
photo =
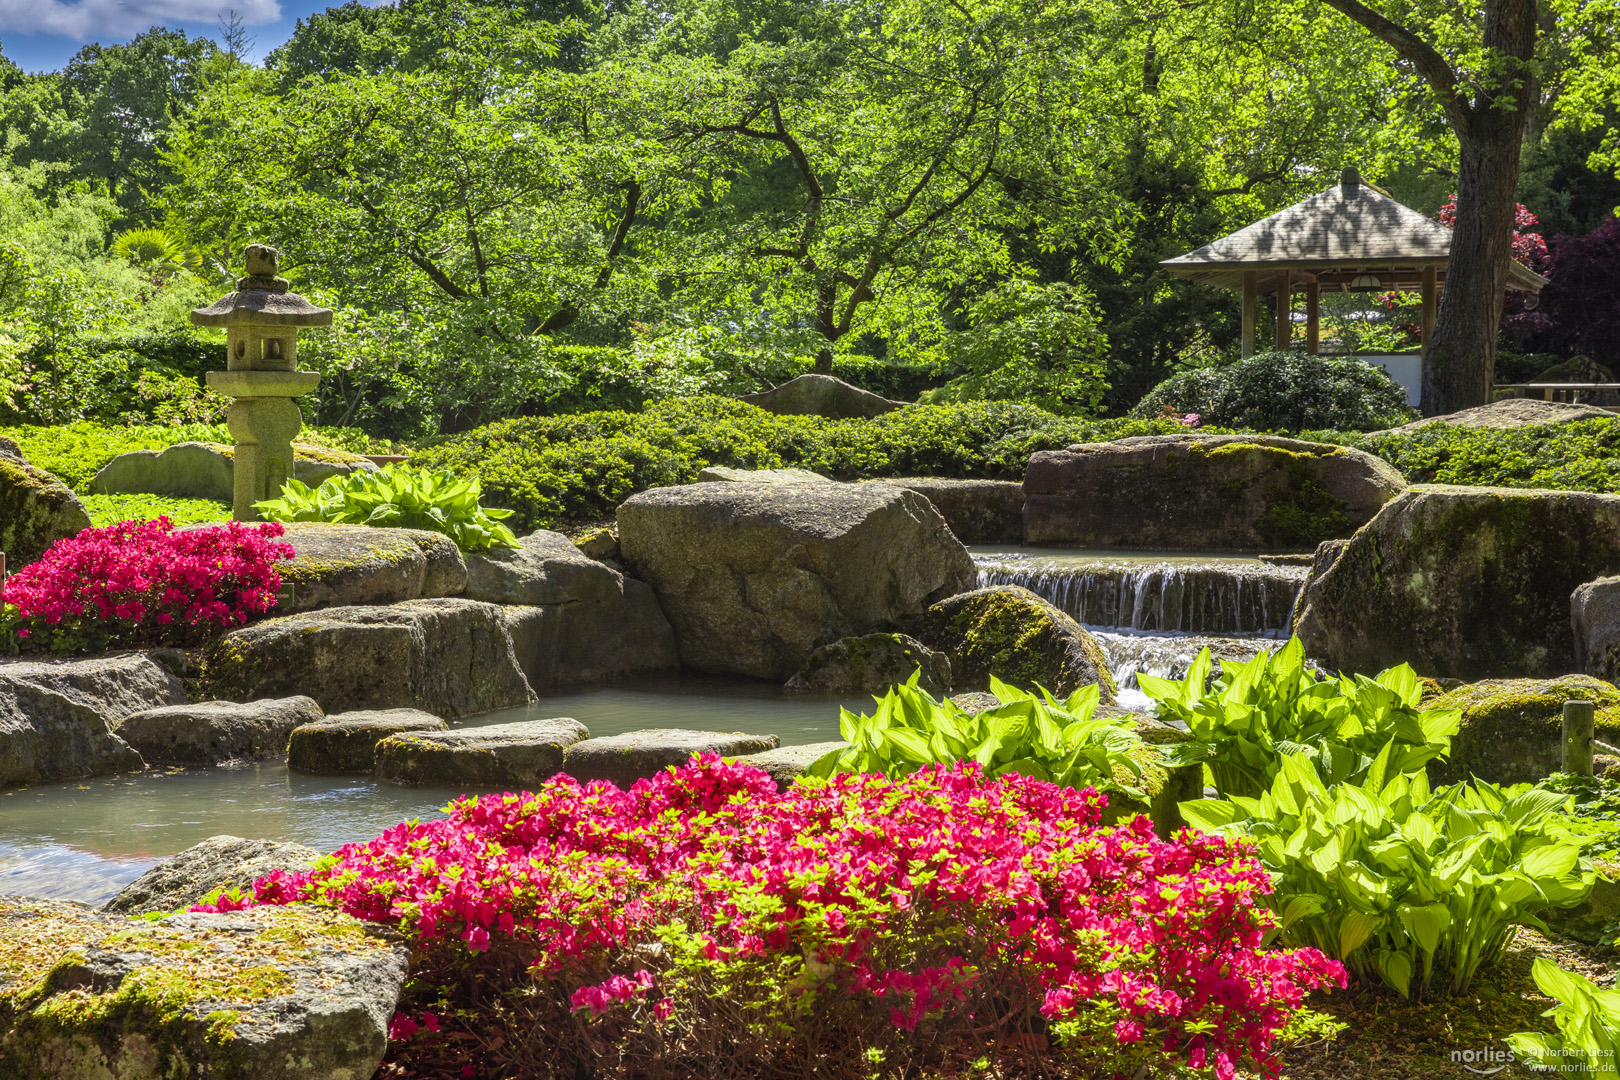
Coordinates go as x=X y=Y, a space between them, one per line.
x=706 y=922
x=142 y=583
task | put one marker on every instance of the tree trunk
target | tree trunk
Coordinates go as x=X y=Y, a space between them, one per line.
x=1459 y=367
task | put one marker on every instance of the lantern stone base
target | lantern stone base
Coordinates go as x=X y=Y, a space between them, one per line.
x=263 y=420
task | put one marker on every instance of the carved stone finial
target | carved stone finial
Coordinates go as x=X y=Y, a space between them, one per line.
x=1351 y=177
x=262 y=264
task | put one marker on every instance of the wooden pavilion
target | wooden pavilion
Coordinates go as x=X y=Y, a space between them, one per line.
x=1351 y=237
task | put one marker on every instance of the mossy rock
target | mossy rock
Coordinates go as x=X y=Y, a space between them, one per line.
x=1462 y=582
x=36 y=509
x=1512 y=729
x=1166 y=788
x=272 y=993
x=1011 y=633
x=198 y=470
x=872 y=664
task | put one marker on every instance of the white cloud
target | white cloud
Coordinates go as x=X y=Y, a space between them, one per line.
x=87 y=19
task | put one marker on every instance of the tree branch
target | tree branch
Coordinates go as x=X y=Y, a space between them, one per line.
x=1435 y=69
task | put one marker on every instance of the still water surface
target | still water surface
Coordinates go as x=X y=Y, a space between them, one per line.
x=85 y=840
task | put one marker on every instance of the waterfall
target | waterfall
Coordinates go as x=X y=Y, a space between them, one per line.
x=1211 y=597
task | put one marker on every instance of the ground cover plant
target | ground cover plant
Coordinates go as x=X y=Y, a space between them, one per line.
x=141 y=583
x=1581 y=456
x=570 y=469
x=397 y=496
x=107 y=510
x=1588 y=1021
x=944 y=921
x=1247 y=722
x=1399 y=880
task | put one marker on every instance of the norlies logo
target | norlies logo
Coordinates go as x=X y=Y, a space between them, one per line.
x=1492 y=1060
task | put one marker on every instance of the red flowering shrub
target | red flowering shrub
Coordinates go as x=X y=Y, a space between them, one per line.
x=706 y=922
x=142 y=583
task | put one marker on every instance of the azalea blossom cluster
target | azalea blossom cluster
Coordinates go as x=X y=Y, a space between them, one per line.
x=860 y=913
x=143 y=582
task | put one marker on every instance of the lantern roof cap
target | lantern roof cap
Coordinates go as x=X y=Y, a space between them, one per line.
x=261 y=299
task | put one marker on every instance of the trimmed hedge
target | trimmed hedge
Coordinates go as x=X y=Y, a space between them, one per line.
x=1285 y=391
x=562 y=470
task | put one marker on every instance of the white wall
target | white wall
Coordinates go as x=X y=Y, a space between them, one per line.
x=1404 y=369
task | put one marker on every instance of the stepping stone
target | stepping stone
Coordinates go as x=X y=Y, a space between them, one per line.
x=214 y=732
x=346 y=744
x=636 y=755
x=787 y=763
x=520 y=755
x=219 y=862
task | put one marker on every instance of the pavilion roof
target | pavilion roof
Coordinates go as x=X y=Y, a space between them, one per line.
x=1351 y=228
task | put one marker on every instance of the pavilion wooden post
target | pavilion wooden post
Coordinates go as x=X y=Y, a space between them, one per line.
x=1313 y=318
x=1251 y=304
x=1428 y=291
x=1285 y=313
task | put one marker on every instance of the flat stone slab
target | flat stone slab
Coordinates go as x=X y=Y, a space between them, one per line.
x=447 y=656
x=760 y=476
x=271 y=993
x=547 y=569
x=343 y=565
x=346 y=744
x=1511 y=413
x=787 y=763
x=214 y=732
x=636 y=755
x=219 y=862
x=520 y=755
x=198 y=470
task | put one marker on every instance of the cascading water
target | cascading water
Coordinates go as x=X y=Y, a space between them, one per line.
x=1153 y=612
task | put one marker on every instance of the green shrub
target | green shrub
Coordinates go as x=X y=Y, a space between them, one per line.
x=1258 y=712
x=396 y=497
x=1583 y=456
x=1588 y=1020
x=1393 y=879
x=1284 y=391
x=111 y=509
x=577 y=468
x=1038 y=737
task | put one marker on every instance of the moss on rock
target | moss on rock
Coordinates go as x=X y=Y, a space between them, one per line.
x=1009 y=632
x=1512 y=729
x=36 y=510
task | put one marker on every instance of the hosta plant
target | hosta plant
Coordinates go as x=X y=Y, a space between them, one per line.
x=1400 y=881
x=1259 y=712
x=704 y=924
x=1588 y=1020
x=1039 y=737
x=397 y=496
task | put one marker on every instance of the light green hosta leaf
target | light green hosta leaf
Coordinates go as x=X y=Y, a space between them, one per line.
x=1425 y=923
x=1395 y=968
x=1403 y=682
x=1355 y=927
x=1208 y=815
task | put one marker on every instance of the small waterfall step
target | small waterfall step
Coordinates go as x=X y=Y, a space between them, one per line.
x=1155 y=592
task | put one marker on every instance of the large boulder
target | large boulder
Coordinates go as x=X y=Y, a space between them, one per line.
x=754 y=576
x=345 y=565
x=293 y=992
x=214 y=732
x=978 y=511
x=636 y=755
x=1512 y=729
x=1009 y=632
x=822 y=395
x=56 y=716
x=760 y=476
x=197 y=470
x=546 y=569
x=36 y=509
x=219 y=862
x=871 y=664
x=1461 y=582
x=786 y=764
x=620 y=635
x=1594 y=613
x=346 y=744
x=1510 y=413
x=448 y=656
x=1202 y=493
x=518 y=756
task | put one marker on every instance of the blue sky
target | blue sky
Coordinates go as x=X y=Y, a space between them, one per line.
x=41 y=35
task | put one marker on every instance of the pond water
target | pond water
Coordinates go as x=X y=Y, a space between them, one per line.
x=85 y=840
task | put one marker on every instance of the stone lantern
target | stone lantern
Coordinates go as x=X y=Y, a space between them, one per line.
x=261 y=320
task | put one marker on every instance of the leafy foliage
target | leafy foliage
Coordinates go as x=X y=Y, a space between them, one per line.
x=1395 y=879
x=578 y=468
x=1583 y=456
x=1594 y=812
x=1285 y=391
x=1259 y=713
x=707 y=921
x=400 y=497
x=1588 y=1020
x=1039 y=737
x=107 y=510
